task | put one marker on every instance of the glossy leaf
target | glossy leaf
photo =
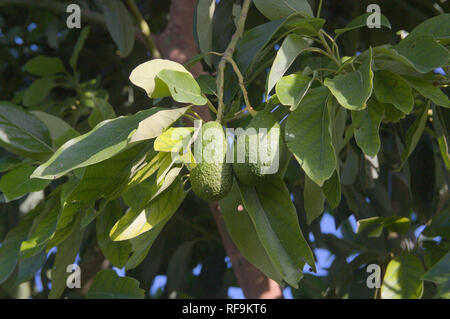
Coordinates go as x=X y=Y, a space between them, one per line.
x=65 y=256
x=102 y=111
x=17 y=183
x=308 y=136
x=352 y=90
x=422 y=52
x=182 y=86
x=120 y=25
x=274 y=217
x=244 y=234
x=144 y=76
x=108 y=285
x=104 y=141
x=414 y=133
x=428 y=91
x=291 y=89
x=204 y=15
x=43 y=65
x=22 y=133
x=313 y=200
x=60 y=131
x=402 y=278
x=367 y=123
x=291 y=47
x=279 y=9
x=38 y=91
x=393 y=89
x=361 y=21
x=116 y=252
x=376 y=224
x=136 y=222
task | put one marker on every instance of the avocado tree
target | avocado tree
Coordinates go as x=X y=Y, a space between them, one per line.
x=227 y=137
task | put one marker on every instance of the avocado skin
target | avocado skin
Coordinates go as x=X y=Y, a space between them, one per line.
x=250 y=173
x=212 y=181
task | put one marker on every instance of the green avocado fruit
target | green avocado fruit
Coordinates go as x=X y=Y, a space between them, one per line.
x=212 y=178
x=250 y=171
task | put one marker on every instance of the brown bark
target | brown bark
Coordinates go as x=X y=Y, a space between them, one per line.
x=177 y=43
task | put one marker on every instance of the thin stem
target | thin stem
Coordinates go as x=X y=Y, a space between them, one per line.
x=248 y=107
x=229 y=53
x=145 y=29
x=319 y=9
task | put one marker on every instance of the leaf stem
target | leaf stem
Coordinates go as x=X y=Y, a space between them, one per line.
x=248 y=107
x=240 y=25
x=145 y=29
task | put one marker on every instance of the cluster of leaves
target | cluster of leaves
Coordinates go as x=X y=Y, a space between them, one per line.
x=368 y=134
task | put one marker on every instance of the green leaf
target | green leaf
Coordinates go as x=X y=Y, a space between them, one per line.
x=422 y=52
x=102 y=111
x=143 y=243
x=17 y=183
x=28 y=267
x=120 y=25
x=402 y=278
x=351 y=166
x=60 y=131
x=44 y=226
x=136 y=221
x=439 y=274
x=154 y=125
x=361 y=21
x=174 y=139
x=244 y=235
x=290 y=49
x=437 y=27
x=144 y=76
x=207 y=84
x=10 y=248
x=22 y=133
x=308 y=136
x=108 y=285
x=392 y=88
x=279 y=9
x=78 y=47
x=104 y=141
x=376 y=224
x=352 y=90
x=106 y=180
x=428 y=91
x=204 y=18
x=275 y=219
x=178 y=267
x=8 y=163
x=367 y=123
x=332 y=190
x=44 y=65
x=38 y=91
x=65 y=256
x=313 y=200
x=291 y=89
x=442 y=134
x=414 y=133
x=182 y=86
x=116 y=252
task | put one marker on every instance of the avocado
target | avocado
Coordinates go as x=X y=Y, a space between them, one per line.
x=212 y=178
x=250 y=171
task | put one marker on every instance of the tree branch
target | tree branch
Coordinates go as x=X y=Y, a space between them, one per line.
x=229 y=54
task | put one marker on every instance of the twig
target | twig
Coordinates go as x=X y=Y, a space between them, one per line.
x=229 y=53
x=248 y=107
x=145 y=29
